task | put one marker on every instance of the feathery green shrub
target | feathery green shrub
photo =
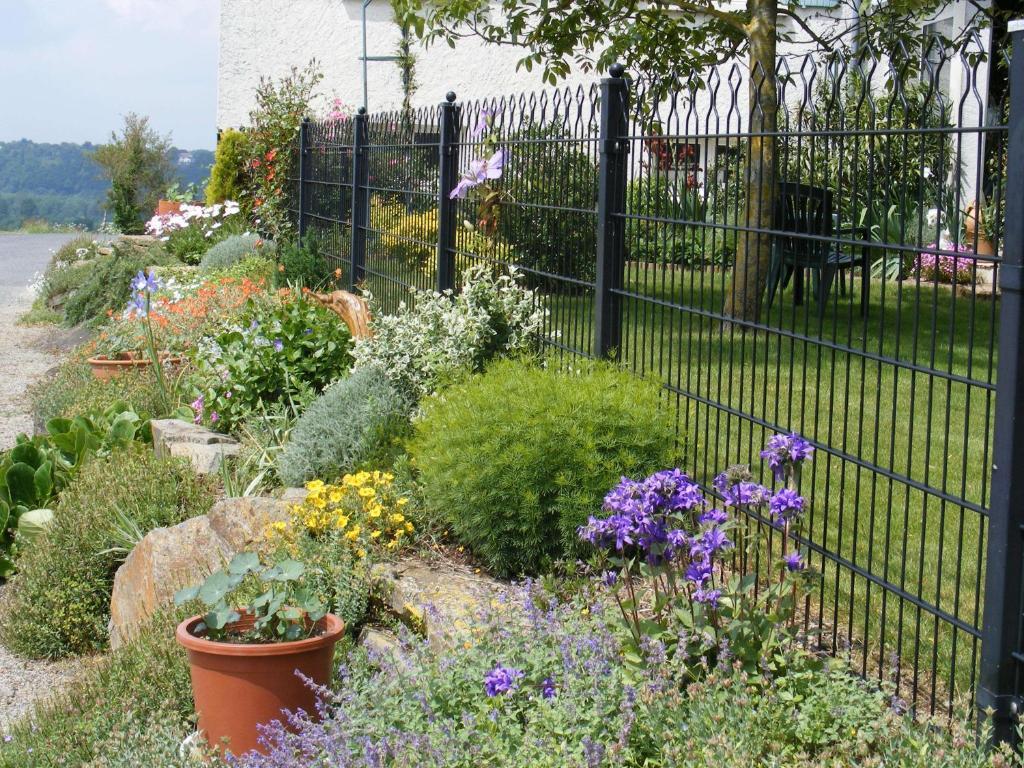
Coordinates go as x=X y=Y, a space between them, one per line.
x=229 y=176
x=59 y=602
x=355 y=423
x=514 y=460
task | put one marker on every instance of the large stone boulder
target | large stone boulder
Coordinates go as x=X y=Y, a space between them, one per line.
x=168 y=559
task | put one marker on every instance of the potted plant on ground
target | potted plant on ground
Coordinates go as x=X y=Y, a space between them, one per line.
x=250 y=663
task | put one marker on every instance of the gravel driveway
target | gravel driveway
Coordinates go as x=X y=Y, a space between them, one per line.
x=25 y=357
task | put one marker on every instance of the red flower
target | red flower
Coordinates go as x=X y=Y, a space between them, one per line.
x=271 y=155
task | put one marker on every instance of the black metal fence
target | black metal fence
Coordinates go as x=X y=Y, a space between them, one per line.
x=881 y=275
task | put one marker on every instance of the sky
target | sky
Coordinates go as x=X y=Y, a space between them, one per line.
x=71 y=69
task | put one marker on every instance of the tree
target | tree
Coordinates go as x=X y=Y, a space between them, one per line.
x=138 y=167
x=671 y=42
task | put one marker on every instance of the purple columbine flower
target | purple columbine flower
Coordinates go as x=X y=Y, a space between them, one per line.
x=501 y=680
x=786 y=505
x=547 y=688
x=278 y=345
x=794 y=562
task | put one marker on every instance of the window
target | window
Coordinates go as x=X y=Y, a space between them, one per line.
x=937 y=55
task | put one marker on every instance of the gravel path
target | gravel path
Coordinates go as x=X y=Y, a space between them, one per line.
x=25 y=355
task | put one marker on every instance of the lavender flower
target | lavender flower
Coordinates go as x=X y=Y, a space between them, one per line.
x=278 y=345
x=547 y=688
x=708 y=597
x=794 y=562
x=699 y=571
x=785 y=451
x=713 y=517
x=501 y=680
x=146 y=283
x=786 y=505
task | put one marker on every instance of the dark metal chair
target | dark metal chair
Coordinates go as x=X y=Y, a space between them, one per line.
x=805 y=214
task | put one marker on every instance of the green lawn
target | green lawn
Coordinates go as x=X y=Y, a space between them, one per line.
x=924 y=421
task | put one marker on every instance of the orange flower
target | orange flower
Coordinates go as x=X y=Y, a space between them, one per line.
x=271 y=155
x=337 y=273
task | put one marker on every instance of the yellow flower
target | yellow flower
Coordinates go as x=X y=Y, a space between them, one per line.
x=402 y=501
x=336 y=495
x=408 y=527
x=340 y=522
x=354 y=533
x=314 y=486
x=398 y=517
x=375 y=535
x=375 y=511
x=360 y=552
x=367 y=493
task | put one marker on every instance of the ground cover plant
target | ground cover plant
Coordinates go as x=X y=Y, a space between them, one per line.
x=58 y=603
x=515 y=459
x=189 y=233
x=231 y=250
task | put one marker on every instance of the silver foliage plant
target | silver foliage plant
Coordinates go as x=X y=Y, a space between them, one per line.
x=441 y=333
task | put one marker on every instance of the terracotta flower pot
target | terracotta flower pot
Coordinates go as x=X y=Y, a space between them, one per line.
x=237 y=686
x=105 y=368
x=166 y=207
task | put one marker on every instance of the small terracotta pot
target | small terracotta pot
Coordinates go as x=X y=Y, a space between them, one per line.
x=166 y=207
x=106 y=368
x=237 y=686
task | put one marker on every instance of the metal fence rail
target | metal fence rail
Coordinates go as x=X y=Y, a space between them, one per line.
x=627 y=206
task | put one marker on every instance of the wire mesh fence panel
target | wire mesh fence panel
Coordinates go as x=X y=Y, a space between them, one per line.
x=816 y=251
x=546 y=223
x=874 y=336
x=327 y=193
x=401 y=243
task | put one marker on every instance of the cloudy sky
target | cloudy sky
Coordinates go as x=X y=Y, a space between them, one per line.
x=73 y=68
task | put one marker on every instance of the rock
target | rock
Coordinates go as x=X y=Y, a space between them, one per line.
x=380 y=642
x=166 y=560
x=241 y=523
x=442 y=602
x=167 y=431
x=294 y=495
x=205 y=459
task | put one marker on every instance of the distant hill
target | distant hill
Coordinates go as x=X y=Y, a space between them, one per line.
x=61 y=184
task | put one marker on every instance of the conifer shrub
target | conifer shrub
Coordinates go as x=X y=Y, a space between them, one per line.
x=515 y=459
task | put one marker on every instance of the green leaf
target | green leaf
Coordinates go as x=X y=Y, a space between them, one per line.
x=26 y=453
x=34 y=524
x=186 y=595
x=43 y=480
x=286 y=570
x=20 y=480
x=243 y=563
x=215 y=588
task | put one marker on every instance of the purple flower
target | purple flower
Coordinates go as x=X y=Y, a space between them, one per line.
x=794 y=562
x=608 y=578
x=785 y=451
x=480 y=170
x=501 y=680
x=713 y=516
x=714 y=540
x=709 y=597
x=786 y=505
x=143 y=283
x=745 y=494
x=198 y=406
x=547 y=688
x=214 y=417
x=137 y=305
x=698 y=572
x=278 y=345
x=482 y=123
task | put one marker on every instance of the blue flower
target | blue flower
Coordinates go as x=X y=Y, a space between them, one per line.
x=786 y=505
x=278 y=345
x=547 y=688
x=794 y=562
x=146 y=283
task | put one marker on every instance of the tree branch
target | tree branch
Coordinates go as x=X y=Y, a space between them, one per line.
x=729 y=18
x=802 y=23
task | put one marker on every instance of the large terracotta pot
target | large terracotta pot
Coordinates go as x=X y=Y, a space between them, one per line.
x=106 y=368
x=238 y=686
x=166 y=207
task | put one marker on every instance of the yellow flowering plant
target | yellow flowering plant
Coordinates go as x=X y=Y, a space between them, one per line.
x=364 y=509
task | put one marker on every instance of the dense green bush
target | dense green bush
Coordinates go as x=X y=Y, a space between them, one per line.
x=229 y=176
x=64 y=273
x=555 y=238
x=658 y=242
x=107 y=283
x=303 y=264
x=279 y=353
x=72 y=391
x=59 y=602
x=355 y=423
x=132 y=708
x=234 y=249
x=517 y=458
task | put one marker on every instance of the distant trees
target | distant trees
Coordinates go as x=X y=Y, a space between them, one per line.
x=139 y=170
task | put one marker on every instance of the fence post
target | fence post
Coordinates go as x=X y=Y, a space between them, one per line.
x=611 y=203
x=360 y=197
x=449 y=147
x=1004 y=567
x=303 y=170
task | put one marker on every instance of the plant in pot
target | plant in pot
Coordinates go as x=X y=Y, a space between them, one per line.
x=251 y=663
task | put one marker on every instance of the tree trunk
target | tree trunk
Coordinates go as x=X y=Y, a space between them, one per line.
x=753 y=249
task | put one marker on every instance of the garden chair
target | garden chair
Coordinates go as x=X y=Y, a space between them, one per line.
x=805 y=214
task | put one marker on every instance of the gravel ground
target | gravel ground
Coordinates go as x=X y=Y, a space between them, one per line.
x=25 y=355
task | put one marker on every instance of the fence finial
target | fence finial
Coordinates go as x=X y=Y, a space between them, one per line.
x=617 y=69
x=362 y=111
x=450 y=97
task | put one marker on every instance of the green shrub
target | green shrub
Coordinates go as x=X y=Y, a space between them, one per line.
x=59 y=602
x=517 y=458
x=232 y=250
x=106 y=285
x=657 y=242
x=355 y=423
x=132 y=708
x=73 y=391
x=280 y=353
x=303 y=264
x=229 y=176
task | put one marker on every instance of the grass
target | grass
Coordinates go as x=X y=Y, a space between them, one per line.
x=901 y=407
x=40 y=314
